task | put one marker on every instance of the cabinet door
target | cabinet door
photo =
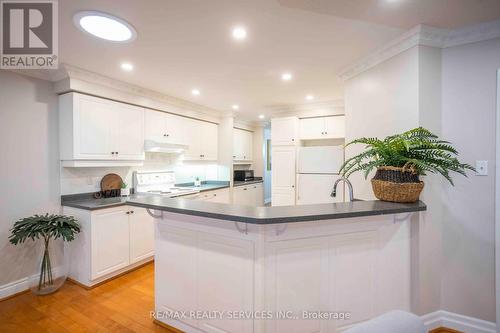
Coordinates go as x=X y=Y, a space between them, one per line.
x=175 y=289
x=110 y=241
x=335 y=127
x=298 y=280
x=129 y=132
x=94 y=120
x=141 y=234
x=283 y=197
x=312 y=128
x=221 y=196
x=193 y=140
x=242 y=195
x=247 y=145
x=258 y=195
x=238 y=145
x=284 y=131
x=209 y=141
x=225 y=281
x=283 y=168
x=175 y=129
x=154 y=126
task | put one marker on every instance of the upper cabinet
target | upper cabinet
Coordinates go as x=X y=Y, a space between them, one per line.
x=202 y=139
x=165 y=127
x=332 y=127
x=99 y=132
x=242 y=145
x=284 y=131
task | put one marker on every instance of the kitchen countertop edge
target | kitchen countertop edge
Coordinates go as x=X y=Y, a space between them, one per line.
x=284 y=214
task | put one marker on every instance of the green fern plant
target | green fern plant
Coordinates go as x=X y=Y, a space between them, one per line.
x=417 y=150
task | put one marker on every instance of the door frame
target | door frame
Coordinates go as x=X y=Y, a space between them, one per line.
x=497 y=206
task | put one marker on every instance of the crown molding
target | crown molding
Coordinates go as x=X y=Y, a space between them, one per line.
x=423 y=35
x=473 y=34
x=78 y=74
x=308 y=109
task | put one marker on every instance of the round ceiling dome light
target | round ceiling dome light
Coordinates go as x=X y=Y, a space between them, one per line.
x=105 y=26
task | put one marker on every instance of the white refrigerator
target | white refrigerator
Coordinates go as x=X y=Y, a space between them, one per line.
x=317 y=170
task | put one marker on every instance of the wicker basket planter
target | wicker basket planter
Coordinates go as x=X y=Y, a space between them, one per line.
x=396 y=185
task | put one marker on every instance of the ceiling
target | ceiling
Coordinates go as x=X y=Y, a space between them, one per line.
x=187 y=44
x=406 y=13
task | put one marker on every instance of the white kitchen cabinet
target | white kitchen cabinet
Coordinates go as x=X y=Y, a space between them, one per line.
x=221 y=196
x=242 y=196
x=225 y=284
x=178 y=294
x=129 y=137
x=243 y=145
x=141 y=234
x=111 y=241
x=249 y=195
x=332 y=127
x=283 y=176
x=205 y=276
x=284 y=131
x=202 y=139
x=98 y=132
x=166 y=128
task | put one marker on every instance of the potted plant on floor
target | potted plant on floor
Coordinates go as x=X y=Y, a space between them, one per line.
x=46 y=228
x=400 y=159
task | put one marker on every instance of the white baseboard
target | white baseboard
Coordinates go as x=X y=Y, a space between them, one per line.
x=14 y=287
x=20 y=285
x=458 y=322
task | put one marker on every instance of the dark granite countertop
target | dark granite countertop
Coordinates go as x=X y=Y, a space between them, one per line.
x=247 y=182
x=208 y=185
x=271 y=215
x=87 y=202
x=93 y=204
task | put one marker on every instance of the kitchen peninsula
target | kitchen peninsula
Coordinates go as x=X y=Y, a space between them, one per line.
x=258 y=262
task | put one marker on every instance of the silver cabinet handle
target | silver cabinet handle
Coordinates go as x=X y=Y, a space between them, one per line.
x=156 y=216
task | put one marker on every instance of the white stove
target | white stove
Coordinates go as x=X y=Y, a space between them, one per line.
x=160 y=183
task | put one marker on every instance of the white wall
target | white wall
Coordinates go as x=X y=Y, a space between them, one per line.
x=468 y=120
x=453 y=93
x=397 y=95
x=380 y=102
x=29 y=164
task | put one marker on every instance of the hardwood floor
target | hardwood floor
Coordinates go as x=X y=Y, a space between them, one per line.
x=444 y=330
x=120 y=305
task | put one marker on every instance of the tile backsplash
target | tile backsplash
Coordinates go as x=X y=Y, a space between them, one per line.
x=83 y=180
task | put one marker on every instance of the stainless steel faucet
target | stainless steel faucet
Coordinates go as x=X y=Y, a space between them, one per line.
x=349 y=185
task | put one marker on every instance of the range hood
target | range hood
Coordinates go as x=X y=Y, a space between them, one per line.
x=151 y=146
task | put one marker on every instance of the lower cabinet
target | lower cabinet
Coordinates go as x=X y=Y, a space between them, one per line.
x=208 y=272
x=111 y=241
x=249 y=195
x=283 y=197
x=221 y=196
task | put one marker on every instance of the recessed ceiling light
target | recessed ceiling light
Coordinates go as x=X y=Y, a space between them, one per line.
x=309 y=97
x=195 y=92
x=105 y=26
x=239 y=33
x=286 y=76
x=261 y=116
x=235 y=107
x=126 y=66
